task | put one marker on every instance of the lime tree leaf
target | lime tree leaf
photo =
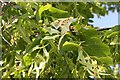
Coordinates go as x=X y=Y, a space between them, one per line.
x=42 y=9
x=106 y=60
x=34 y=43
x=115 y=41
x=116 y=28
x=51 y=30
x=29 y=57
x=51 y=37
x=112 y=34
x=22 y=31
x=80 y=54
x=62 y=39
x=70 y=46
x=90 y=32
x=54 y=11
x=93 y=45
x=27 y=60
x=58 y=13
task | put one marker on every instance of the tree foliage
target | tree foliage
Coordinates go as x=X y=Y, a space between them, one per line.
x=55 y=40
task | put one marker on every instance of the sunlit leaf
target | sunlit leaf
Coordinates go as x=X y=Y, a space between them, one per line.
x=70 y=46
x=50 y=37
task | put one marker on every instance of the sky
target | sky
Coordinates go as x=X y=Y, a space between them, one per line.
x=107 y=21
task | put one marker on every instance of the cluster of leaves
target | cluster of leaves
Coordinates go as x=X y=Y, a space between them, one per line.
x=38 y=41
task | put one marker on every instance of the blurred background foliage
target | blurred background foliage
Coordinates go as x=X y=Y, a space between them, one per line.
x=55 y=40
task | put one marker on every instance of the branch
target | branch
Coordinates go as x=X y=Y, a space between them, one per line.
x=103 y=29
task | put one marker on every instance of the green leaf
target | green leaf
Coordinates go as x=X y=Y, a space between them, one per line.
x=46 y=53
x=54 y=11
x=51 y=37
x=80 y=54
x=42 y=9
x=95 y=47
x=90 y=32
x=62 y=39
x=70 y=46
x=116 y=28
x=34 y=43
x=27 y=59
x=58 y=13
x=104 y=60
x=77 y=27
x=12 y=60
x=112 y=34
x=115 y=41
x=22 y=31
x=51 y=30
